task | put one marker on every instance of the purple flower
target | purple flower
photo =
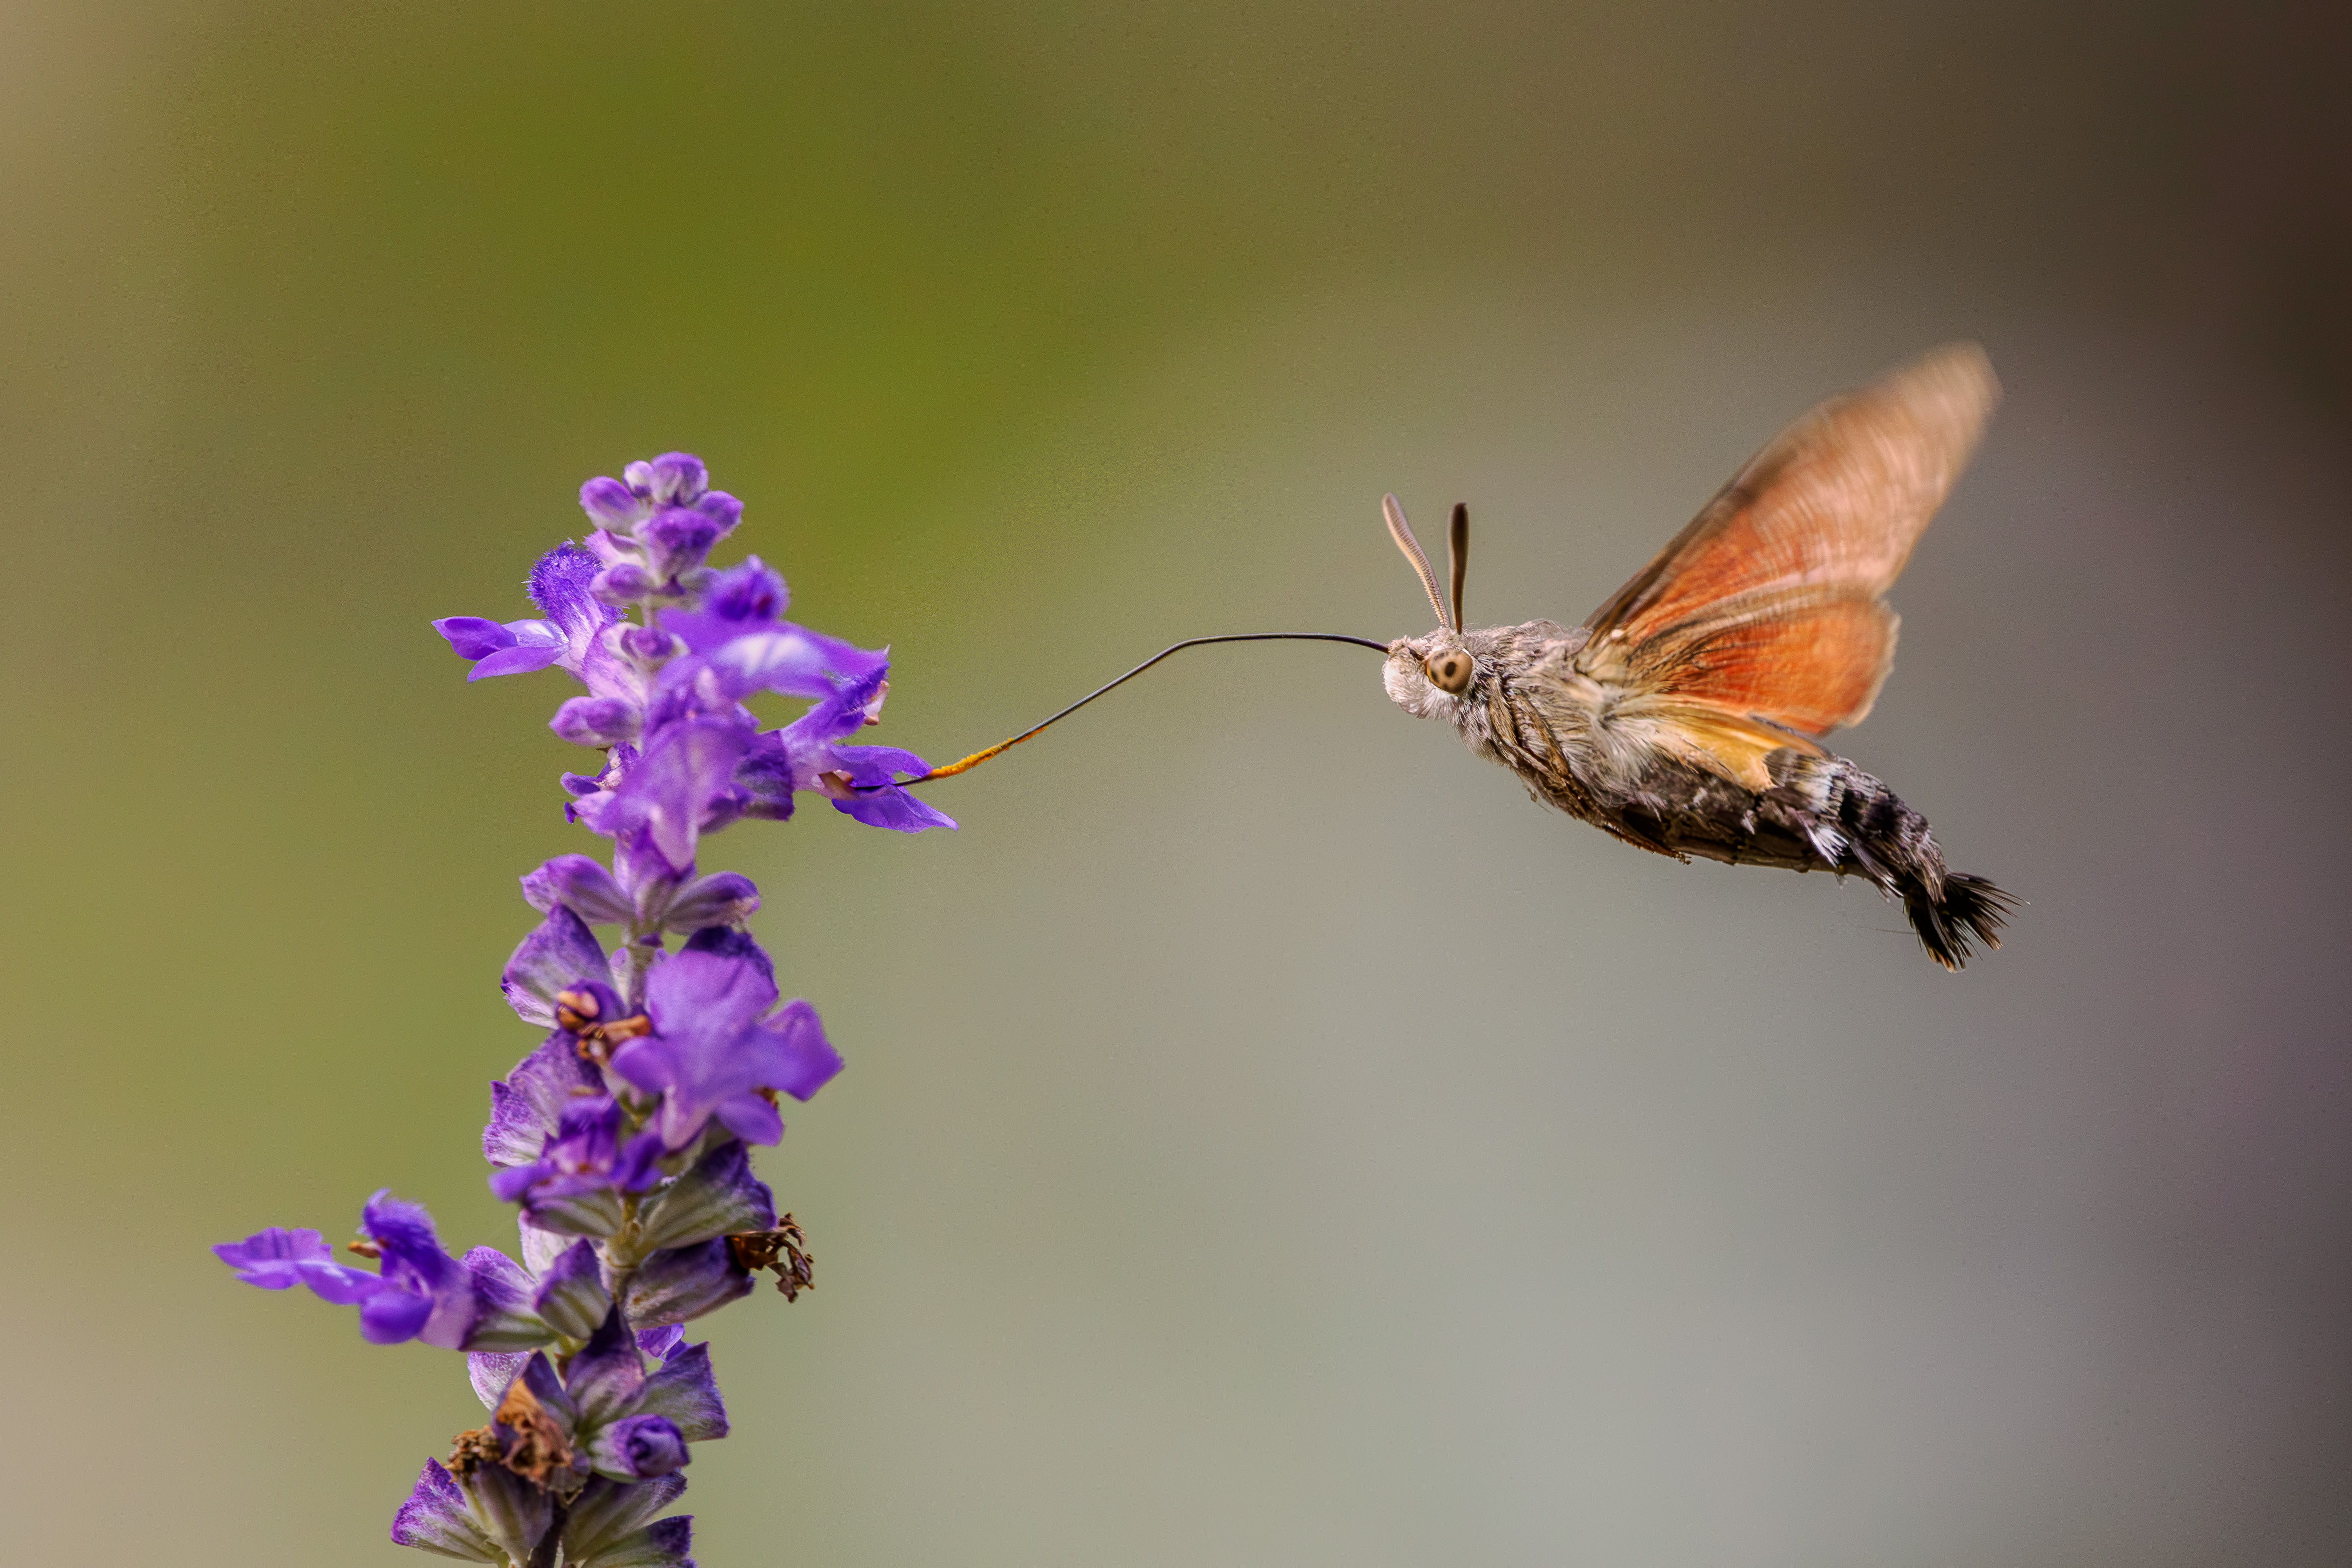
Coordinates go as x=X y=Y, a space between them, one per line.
x=715 y=1048
x=622 y=1137
x=275 y=1258
x=861 y=780
x=529 y=1104
x=669 y=794
x=746 y=597
x=568 y=633
x=479 y=1302
x=558 y=956
x=584 y=1157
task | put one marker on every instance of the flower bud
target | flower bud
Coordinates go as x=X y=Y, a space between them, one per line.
x=624 y=582
x=597 y=721
x=647 y=647
x=723 y=898
x=612 y=502
x=637 y=1449
x=674 y=478
x=677 y=538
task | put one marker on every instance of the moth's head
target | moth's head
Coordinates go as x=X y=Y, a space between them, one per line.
x=1436 y=676
x=1440 y=676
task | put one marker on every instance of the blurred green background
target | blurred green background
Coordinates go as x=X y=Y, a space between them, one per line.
x=1268 y=1138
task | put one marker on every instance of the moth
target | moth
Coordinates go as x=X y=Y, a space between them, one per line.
x=1688 y=715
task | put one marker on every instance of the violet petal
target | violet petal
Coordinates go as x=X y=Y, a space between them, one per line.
x=473 y=637
x=894 y=809
x=490 y=1371
x=527 y=1105
x=554 y=958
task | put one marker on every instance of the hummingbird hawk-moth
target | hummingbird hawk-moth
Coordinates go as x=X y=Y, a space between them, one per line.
x=1686 y=714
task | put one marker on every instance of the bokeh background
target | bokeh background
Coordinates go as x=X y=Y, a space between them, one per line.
x=1268 y=1138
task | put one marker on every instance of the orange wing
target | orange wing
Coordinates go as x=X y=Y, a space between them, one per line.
x=1767 y=606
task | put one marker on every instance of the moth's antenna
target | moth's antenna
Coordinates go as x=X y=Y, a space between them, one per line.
x=1401 y=531
x=977 y=757
x=1458 y=555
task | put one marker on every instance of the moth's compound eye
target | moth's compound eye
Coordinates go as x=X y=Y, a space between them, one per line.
x=1448 y=670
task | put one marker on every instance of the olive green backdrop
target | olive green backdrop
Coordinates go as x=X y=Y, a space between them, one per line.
x=1268 y=1138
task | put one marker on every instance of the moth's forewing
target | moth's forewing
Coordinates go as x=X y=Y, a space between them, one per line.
x=1836 y=501
x=1766 y=611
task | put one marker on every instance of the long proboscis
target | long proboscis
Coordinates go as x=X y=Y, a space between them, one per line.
x=965 y=764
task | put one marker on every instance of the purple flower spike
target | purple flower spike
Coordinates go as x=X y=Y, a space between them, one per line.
x=624 y=1139
x=556 y=958
x=637 y=1449
x=434 y=1518
x=275 y=1258
x=713 y=1048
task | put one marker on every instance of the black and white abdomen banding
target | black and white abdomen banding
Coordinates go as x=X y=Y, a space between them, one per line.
x=1821 y=814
